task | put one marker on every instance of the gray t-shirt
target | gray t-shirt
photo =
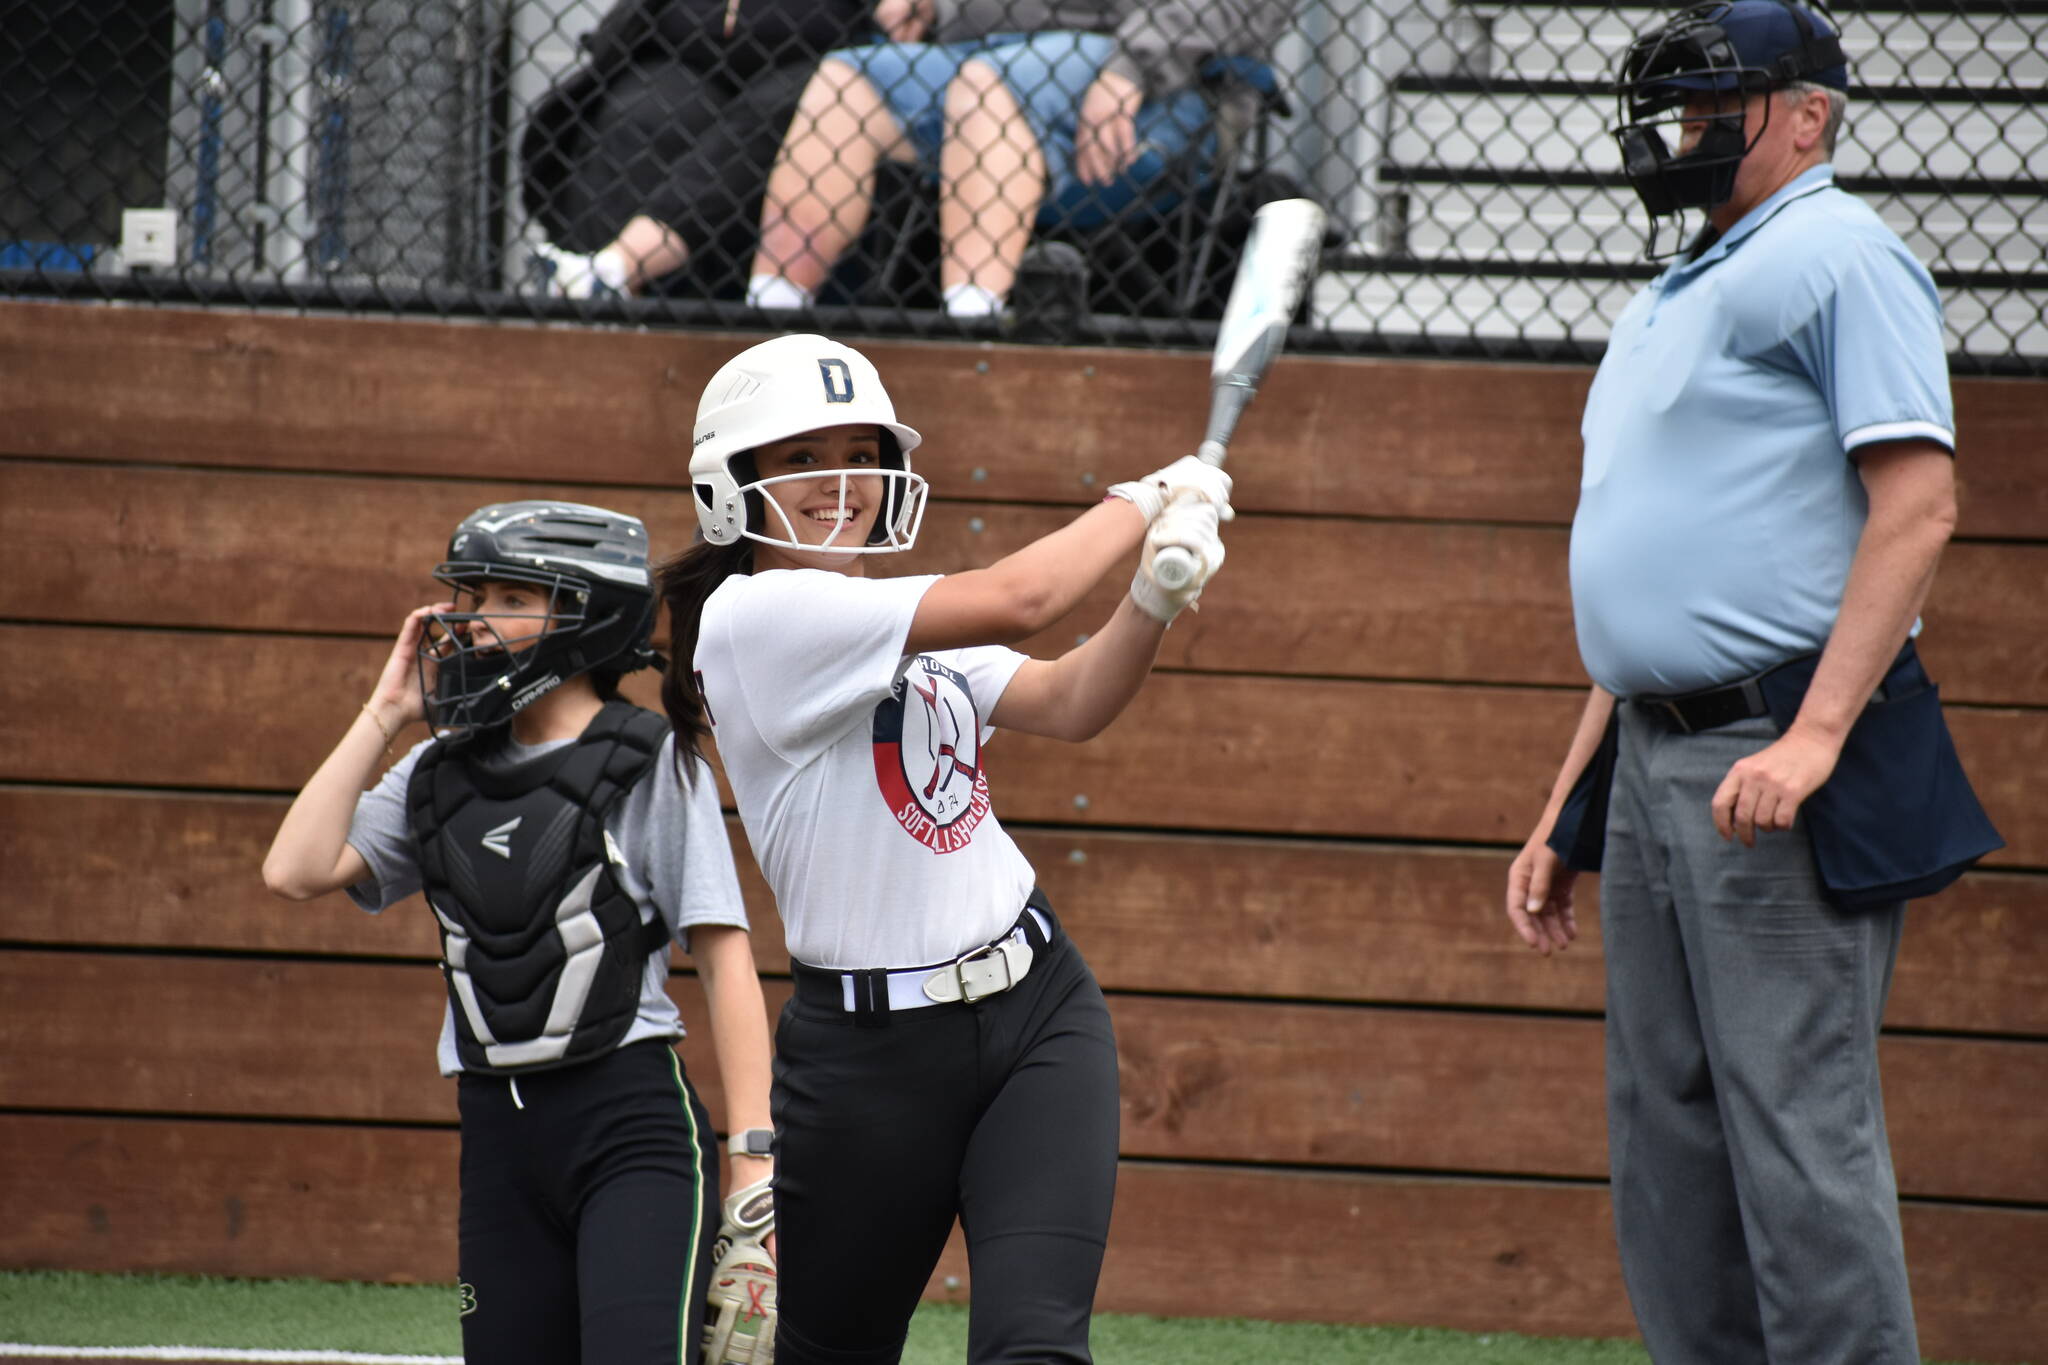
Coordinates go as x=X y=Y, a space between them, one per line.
x=677 y=864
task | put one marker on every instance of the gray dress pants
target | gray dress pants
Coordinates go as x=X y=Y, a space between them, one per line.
x=1754 y=1200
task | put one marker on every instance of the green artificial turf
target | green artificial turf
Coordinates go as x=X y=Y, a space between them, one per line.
x=66 y=1309
x=61 y=1308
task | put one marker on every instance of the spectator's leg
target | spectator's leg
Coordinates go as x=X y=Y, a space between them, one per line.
x=644 y=250
x=643 y=131
x=648 y=249
x=712 y=198
x=823 y=184
x=991 y=180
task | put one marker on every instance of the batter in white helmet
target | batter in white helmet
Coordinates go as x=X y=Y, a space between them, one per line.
x=947 y=1053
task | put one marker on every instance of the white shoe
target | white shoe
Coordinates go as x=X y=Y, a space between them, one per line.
x=573 y=275
x=972 y=301
x=772 y=293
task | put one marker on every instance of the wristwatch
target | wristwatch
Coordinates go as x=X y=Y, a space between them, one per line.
x=751 y=1142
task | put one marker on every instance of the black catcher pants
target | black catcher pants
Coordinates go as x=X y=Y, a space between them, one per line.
x=589 y=1205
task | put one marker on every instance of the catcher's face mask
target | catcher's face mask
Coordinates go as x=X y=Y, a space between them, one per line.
x=484 y=661
x=543 y=591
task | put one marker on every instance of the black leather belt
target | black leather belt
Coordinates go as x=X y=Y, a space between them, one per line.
x=1712 y=707
x=1692 y=712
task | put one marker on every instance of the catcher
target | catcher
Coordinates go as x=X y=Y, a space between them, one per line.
x=562 y=844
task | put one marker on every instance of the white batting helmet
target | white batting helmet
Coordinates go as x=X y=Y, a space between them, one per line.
x=784 y=388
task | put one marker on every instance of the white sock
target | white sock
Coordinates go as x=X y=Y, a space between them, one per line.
x=609 y=266
x=971 y=301
x=775 y=292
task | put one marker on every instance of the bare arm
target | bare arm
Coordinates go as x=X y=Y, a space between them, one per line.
x=724 y=956
x=1912 y=514
x=1160 y=49
x=904 y=21
x=1106 y=130
x=1539 y=898
x=311 y=855
x=1085 y=689
x=1023 y=593
x=1075 y=696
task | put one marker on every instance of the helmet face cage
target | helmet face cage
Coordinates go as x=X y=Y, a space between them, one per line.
x=590 y=566
x=895 y=529
x=472 y=685
x=1690 y=56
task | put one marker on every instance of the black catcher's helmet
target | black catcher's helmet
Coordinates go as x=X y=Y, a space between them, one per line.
x=1726 y=46
x=592 y=565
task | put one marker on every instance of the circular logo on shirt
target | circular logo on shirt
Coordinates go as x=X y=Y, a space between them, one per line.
x=927 y=739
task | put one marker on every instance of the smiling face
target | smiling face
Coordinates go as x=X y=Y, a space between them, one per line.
x=824 y=490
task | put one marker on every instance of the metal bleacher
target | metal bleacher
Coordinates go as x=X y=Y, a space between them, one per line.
x=1500 y=212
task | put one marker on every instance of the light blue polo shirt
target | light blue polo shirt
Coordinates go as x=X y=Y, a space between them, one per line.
x=1718 y=508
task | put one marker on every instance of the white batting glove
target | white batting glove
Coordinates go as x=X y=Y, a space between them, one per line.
x=1193 y=524
x=1188 y=475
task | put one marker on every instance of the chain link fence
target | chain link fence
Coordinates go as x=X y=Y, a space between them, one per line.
x=643 y=161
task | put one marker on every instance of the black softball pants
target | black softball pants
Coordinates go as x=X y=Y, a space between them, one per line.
x=589 y=1204
x=1002 y=1113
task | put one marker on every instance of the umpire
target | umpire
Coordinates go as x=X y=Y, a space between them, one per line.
x=1768 y=483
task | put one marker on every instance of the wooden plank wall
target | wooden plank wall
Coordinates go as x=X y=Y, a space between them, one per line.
x=1349 y=1094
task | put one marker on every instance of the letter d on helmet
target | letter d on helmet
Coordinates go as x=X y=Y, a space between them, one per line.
x=784 y=388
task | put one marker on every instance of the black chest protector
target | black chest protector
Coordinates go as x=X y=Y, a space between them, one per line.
x=542 y=949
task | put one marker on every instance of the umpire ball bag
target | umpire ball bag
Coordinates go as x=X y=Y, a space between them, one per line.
x=542 y=950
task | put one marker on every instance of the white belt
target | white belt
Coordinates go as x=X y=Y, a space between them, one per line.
x=972 y=976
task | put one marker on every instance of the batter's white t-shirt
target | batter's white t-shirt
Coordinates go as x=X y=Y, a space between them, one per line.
x=857 y=769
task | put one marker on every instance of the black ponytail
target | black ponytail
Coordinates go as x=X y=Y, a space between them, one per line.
x=685 y=583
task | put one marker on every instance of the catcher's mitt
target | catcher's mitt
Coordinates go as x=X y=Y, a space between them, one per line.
x=739 y=1309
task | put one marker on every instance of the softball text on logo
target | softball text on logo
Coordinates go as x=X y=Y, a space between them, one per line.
x=927 y=744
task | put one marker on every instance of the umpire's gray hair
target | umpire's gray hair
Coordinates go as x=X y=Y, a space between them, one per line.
x=1838 y=108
